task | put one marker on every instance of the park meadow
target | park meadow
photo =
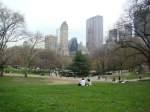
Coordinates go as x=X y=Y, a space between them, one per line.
x=34 y=94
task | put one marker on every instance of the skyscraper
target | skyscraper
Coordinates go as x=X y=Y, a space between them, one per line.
x=73 y=46
x=63 y=44
x=94 y=33
x=51 y=42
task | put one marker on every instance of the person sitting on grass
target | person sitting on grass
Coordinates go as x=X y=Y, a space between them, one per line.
x=88 y=82
x=82 y=82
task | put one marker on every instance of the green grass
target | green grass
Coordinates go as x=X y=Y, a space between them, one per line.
x=20 y=70
x=35 y=95
x=131 y=75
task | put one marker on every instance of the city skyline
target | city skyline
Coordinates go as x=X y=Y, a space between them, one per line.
x=46 y=16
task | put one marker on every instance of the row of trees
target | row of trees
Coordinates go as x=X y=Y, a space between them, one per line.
x=115 y=58
x=28 y=58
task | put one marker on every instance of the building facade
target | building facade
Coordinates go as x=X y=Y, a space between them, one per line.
x=125 y=31
x=94 y=33
x=113 y=35
x=63 y=40
x=82 y=48
x=73 y=46
x=51 y=42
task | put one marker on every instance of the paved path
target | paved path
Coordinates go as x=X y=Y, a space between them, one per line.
x=94 y=79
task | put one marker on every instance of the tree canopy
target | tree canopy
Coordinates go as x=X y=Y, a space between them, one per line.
x=138 y=16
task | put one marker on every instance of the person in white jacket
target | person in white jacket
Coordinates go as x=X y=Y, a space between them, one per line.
x=82 y=82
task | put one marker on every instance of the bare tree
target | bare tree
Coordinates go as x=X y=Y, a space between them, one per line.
x=11 y=27
x=102 y=57
x=30 y=50
x=138 y=16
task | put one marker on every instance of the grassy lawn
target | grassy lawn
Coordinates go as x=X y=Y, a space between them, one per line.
x=35 y=95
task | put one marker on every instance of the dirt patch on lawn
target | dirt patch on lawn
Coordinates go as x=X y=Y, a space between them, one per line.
x=35 y=79
x=62 y=81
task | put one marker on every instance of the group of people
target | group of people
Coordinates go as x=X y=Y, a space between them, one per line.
x=84 y=82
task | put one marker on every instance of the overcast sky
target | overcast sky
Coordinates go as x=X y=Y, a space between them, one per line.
x=47 y=15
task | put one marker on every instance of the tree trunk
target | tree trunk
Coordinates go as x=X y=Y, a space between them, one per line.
x=1 y=71
x=149 y=64
x=25 y=75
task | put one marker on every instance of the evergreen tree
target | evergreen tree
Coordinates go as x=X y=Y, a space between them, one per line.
x=80 y=65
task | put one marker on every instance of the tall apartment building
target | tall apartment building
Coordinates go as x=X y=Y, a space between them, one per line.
x=51 y=42
x=94 y=33
x=63 y=40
